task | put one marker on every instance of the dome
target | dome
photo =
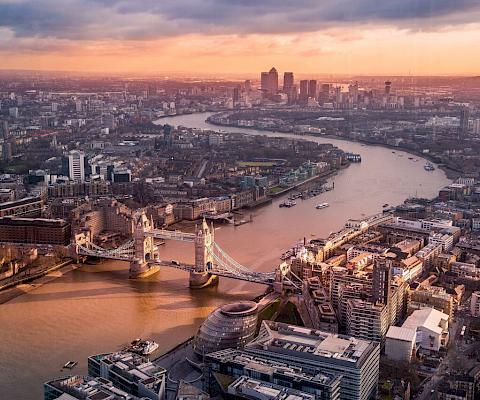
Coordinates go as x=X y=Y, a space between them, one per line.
x=229 y=326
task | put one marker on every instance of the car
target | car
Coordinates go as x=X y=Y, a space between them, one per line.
x=175 y=262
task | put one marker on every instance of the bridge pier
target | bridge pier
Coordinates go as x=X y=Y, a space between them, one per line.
x=200 y=280
x=139 y=269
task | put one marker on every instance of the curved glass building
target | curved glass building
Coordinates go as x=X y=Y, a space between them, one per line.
x=229 y=326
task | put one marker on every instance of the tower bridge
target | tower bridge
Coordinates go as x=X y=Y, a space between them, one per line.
x=211 y=261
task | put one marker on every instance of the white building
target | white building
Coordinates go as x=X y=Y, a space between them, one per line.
x=427 y=224
x=475 y=304
x=431 y=327
x=400 y=343
x=409 y=269
x=466 y=181
x=76 y=165
x=443 y=239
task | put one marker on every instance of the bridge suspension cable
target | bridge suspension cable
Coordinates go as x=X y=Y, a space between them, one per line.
x=124 y=252
x=227 y=266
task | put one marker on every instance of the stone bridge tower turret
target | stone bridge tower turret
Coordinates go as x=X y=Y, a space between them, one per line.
x=146 y=253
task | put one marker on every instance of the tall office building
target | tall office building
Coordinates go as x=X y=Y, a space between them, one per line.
x=236 y=94
x=273 y=81
x=288 y=81
x=264 y=82
x=312 y=88
x=324 y=94
x=303 y=90
x=76 y=165
x=289 y=87
x=381 y=280
x=463 y=127
x=269 y=82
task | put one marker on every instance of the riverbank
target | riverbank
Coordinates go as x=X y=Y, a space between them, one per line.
x=450 y=172
x=33 y=282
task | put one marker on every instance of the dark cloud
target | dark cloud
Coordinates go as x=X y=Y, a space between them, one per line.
x=145 y=19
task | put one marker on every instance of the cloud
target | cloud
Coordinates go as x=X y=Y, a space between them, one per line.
x=154 y=19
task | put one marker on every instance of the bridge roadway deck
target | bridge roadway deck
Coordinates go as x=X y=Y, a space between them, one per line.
x=171 y=235
x=255 y=277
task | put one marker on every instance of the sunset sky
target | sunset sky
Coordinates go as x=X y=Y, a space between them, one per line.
x=242 y=36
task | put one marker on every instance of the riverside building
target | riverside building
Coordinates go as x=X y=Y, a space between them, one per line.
x=356 y=360
x=131 y=373
x=84 y=387
x=238 y=364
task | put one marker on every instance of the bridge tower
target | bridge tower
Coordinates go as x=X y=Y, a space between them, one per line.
x=145 y=249
x=204 y=240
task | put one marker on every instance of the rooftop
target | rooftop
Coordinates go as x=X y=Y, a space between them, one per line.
x=401 y=333
x=250 y=387
x=308 y=343
x=86 y=387
x=268 y=366
x=132 y=366
x=428 y=318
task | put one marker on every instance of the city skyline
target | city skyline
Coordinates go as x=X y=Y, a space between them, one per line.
x=262 y=200
x=199 y=37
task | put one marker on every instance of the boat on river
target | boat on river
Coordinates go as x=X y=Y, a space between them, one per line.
x=143 y=347
x=70 y=364
x=429 y=167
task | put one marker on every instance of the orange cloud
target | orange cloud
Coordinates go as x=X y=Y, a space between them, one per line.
x=357 y=50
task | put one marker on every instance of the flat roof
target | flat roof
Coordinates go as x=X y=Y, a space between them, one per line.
x=400 y=333
x=428 y=318
x=310 y=343
x=21 y=202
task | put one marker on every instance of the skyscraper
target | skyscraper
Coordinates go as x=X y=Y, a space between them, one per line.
x=289 y=87
x=312 y=88
x=303 y=90
x=236 y=94
x=382 y=277
x=324 y=94
x=76 y=165
x=273 y=81
x=463 y=127
x=264 y=82
x=288 y=82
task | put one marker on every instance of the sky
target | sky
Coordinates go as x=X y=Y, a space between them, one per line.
x=368 y=37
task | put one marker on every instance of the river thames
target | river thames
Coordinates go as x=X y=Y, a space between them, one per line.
x=96 y=309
